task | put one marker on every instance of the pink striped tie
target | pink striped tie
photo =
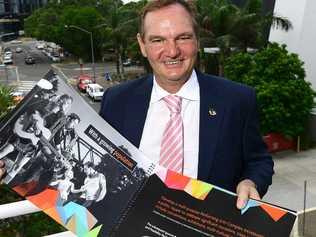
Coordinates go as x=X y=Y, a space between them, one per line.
x=171 y=150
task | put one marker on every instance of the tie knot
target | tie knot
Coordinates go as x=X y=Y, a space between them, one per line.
x=173 y=103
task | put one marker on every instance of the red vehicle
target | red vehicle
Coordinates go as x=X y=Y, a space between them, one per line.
x=82 y=82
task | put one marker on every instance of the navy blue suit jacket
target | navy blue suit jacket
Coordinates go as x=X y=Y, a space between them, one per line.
x=230 y=145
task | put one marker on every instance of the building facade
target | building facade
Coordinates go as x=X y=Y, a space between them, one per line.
x=12 y=13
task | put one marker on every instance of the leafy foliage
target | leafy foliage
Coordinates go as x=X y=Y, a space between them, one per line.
x=6 y=99
x=120 y=28
x=113 y=26
x=77 y=41
x=285 y=98
x=228 y=27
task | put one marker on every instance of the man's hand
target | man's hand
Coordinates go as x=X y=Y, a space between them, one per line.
x=246 y=189
x=2 y=170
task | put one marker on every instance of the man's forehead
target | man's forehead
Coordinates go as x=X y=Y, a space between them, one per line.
x=174 y=20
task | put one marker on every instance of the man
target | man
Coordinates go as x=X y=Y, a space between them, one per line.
x=27 y=132
x=65 y=138
x=220 y=141
x=65 y=186
x=55 y=112
x=94 y=187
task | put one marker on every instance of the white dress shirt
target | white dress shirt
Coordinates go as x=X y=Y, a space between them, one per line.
x=158 y=115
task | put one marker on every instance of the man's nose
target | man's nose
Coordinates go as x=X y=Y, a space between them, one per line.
x=172 y=49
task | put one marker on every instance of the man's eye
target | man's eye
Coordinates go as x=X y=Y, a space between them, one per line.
x=185 y=37
x=156 y=40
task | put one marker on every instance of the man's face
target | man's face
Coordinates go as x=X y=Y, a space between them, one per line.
x=66 y=105
x=170 y=44
x=71 y=123
x=70 y=174
x=89 y=170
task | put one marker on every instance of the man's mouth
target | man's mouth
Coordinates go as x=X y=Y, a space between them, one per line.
x=172 y=62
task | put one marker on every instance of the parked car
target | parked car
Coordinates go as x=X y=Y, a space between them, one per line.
x=8 y=54
x=55 y=57
x=95 y=91
x=29 y=60
x=7 y=60
x=18 y=50
x=16 y=42
x=82 y=82
x=40 y=46
x=46 y=52
x=127 y=62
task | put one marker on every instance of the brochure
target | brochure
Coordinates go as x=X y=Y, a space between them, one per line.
x=72 y=164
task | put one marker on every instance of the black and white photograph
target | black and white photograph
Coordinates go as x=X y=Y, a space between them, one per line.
x=49 y=141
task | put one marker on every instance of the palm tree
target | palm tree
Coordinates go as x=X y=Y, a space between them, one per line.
x=226 y=26
x=252 y=25
x=121 y=21
x=217 y=19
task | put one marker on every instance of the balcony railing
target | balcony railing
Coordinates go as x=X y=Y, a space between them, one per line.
x=22 y=208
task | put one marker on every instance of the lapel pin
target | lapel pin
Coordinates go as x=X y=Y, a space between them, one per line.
x=212 y=112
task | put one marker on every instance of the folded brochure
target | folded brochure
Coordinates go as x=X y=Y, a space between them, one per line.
x=68 y=161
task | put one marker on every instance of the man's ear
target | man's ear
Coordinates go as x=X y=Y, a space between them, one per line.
x=141 y=45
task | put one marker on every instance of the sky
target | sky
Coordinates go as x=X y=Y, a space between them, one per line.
x=126 y=1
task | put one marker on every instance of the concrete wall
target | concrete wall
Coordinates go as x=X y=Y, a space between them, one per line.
x=302 y=38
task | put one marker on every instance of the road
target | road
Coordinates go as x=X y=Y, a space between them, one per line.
x=24 y=76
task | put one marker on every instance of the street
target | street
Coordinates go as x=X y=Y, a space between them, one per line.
x=24 y=76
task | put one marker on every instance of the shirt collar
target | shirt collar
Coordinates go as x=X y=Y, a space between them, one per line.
x=190 y=90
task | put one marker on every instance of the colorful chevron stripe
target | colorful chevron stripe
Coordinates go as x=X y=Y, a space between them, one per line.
x=200 y=190
x=195 y=188
x=72 y=216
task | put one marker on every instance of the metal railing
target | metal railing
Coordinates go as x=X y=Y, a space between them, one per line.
x=17 y=209
x=62 y=234
x=25 y=207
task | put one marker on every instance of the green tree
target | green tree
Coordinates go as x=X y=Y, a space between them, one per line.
x=133 y=49
x=42 y=24
x=285 y=99
x=49 y=24
x=252 y=24
x=217 y=19
x=77 y=41
x=6 y=99
x=113 y=25
x=120 y=27
x=226 y=26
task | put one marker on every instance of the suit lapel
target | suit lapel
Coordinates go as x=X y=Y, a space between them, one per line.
x=136 y=111
x=212 y=112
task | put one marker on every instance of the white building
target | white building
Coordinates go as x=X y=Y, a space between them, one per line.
x=302 y=38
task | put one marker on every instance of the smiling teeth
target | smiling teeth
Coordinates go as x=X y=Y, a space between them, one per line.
x=172 y=62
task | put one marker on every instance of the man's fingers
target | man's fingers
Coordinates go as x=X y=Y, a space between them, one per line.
x=242 y=199
x=1 y=164
x=246 y=189
x=254 y=194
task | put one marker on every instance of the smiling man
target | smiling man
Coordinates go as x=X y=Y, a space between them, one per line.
x=169 y=42
x=199 y=125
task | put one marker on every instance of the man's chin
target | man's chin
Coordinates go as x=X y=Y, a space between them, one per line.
x=177 y=76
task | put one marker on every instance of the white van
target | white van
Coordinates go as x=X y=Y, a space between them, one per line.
x=95 y=91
